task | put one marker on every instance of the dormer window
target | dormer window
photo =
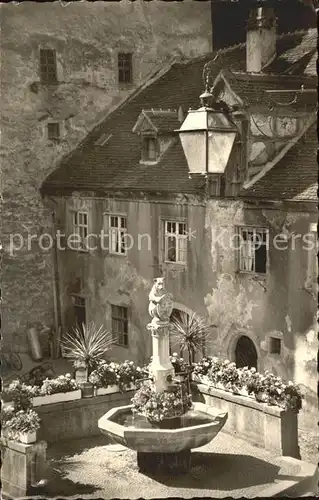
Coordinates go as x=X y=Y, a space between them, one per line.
x=149 y=148
x=156 y=128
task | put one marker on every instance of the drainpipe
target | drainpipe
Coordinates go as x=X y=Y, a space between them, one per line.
x=55 y=285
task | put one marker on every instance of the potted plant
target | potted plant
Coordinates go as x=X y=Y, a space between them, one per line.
x=104 y=378
x=190 y=332
x=22 y=426
x=62 y=388
x=127 y=374
x=86 y=345
x=243 y=377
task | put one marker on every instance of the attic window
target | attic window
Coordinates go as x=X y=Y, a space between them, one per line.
x=104 y=139
x=149 y=149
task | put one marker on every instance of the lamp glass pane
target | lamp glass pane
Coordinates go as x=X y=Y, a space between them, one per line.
x=195 y=120
x=219 y=148
x=194 y=145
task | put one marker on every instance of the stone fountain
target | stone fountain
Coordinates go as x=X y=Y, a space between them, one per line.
x=168 y=447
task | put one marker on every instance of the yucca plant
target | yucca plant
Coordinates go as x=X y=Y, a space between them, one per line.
x=190 y=332
x=87 y=345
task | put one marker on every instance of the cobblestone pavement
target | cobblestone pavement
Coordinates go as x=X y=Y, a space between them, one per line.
x=227 y=467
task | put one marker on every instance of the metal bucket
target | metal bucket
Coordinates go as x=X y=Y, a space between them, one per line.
x=34 y=344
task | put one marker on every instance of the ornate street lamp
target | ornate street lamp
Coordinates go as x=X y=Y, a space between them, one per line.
x=207 y=136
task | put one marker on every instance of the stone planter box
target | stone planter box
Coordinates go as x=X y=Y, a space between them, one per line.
x=111 y=389
x=77 y=419
x=27 y=437
x=262 y=425
x=57 y=398
x=23 y=466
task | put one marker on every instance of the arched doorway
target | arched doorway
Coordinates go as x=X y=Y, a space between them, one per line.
x=245 y=353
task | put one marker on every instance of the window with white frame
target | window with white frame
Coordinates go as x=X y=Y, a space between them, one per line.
x=120 y=325
x=80 y=228
x=175 y=242
x=117 y=234
x=253 y=250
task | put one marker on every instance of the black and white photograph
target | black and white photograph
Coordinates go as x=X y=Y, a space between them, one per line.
x=159 y=272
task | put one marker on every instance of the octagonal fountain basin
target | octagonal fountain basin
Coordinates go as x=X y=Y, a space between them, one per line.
x=194 y=429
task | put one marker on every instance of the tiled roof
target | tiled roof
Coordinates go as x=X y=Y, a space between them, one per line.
x=117 y=164
x=295 y=177
x=253 y=90
x=163 y=120
x=302 y=52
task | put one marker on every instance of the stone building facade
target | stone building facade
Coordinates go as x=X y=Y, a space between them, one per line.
x=64 y=67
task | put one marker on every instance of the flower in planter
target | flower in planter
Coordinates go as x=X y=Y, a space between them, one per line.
x=20 y=394
x=63 y=383
x=160 y=406
x=105 y=375
x=202 y=367
x=178 y=363
x=22 y=421
x=127 y=373
x=292 y=397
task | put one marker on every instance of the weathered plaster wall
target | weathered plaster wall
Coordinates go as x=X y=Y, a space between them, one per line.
x=281 y=305
x=87 y=37
x=109 y=279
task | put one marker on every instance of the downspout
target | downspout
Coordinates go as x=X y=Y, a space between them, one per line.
x=55 y=285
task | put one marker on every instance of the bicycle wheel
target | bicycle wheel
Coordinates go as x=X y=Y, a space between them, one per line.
x=15 y=361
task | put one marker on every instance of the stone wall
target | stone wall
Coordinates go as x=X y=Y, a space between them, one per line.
x=264 y=426
x=77 y=419
x=87 y=37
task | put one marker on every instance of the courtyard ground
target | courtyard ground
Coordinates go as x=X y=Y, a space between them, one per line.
x=227 y=467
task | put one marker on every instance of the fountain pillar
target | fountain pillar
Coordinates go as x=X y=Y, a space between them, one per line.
x=160 y=309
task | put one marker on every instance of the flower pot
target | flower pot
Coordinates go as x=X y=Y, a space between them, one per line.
x=27 y=437
x=59 y=397
x=81 y=374
x=110 y=389
x=87 y=389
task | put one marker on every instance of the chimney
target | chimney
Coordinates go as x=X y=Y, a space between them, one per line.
x=261 y=39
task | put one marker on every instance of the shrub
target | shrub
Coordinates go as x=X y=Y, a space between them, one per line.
x=63 y=383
